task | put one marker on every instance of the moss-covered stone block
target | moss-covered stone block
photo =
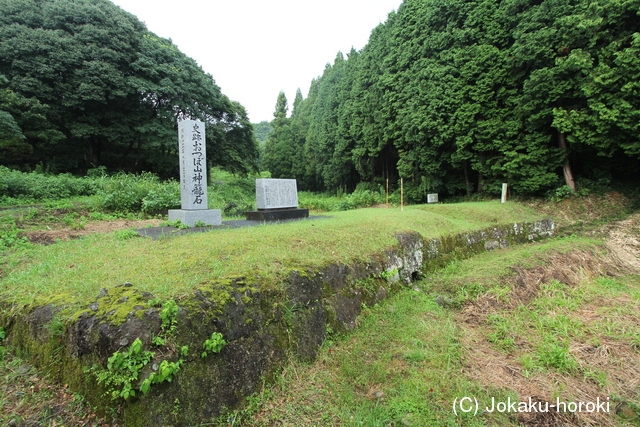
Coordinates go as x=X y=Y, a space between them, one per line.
x=262 y=325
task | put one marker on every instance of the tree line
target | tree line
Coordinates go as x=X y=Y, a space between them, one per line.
x=84 y=84
x=459 y=96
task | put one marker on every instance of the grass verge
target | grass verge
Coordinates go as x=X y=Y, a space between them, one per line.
x=547 y=321
x=27 y=398
x=171 y=267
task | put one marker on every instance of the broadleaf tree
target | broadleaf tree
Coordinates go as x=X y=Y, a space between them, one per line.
x=113 y=89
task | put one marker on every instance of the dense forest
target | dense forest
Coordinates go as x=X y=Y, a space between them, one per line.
x=84 y=84
x=459 y=96
x=261 y=131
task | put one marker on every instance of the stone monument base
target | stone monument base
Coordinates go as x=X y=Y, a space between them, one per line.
x=191 y=216
x=276 y=214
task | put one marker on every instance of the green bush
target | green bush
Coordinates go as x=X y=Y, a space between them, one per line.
x=13 y=183
x=10 y=234
x=234 y=195
x=232 y=208
x=37 y=187
x=565 y=192
x=133 y=193
x=327 y=203
x=122 y=201
x=366 y=198
x=162 y=199
x=560 y=193
x=414 y=192
x=317 y=201
x=343 y=205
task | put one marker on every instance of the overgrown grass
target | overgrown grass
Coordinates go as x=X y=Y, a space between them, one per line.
x=28 y=398
x=174 y=266
x=400 y=367
x=23 y=188
x=137 y=193
x=122 y=192
x=360 y=198
x=412 y=355
x=232 y=194
x=146 y=193
x=463 y=281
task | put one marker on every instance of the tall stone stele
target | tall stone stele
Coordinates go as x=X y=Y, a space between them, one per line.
x=193 y=177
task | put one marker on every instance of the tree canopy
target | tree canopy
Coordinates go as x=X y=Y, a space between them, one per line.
x=458 y=96
x=87 y=85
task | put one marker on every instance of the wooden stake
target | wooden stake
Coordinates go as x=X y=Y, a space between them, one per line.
x=387 y=193
x=402 y=194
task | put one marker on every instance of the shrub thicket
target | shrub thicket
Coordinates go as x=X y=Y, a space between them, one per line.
x=147 y=193
x=134 y=193
x=342 y=202
x=33 y=186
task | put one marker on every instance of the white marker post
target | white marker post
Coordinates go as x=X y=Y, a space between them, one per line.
x=504 y=193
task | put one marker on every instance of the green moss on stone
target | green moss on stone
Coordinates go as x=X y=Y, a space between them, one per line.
x=78 y=314
x=58 y=299
x=116 y=306
x=274 y=318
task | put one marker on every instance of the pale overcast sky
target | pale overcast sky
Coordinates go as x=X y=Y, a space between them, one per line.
x=256 y=48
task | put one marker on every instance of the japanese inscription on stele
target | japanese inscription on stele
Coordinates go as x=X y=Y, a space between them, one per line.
x=276 y=193
x=193 y=170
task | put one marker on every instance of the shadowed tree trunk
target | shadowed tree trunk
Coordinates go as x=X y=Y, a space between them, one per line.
x=566 y=169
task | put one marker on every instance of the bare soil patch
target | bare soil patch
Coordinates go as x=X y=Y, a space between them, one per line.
x=50 y=235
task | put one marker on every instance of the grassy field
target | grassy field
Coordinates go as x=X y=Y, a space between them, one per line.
x=549 y=320
x=172 y=267
x=553 y=320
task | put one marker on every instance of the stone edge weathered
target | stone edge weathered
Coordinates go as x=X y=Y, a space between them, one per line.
x=263 y=327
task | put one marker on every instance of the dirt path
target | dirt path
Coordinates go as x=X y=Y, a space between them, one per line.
x=49 y=236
